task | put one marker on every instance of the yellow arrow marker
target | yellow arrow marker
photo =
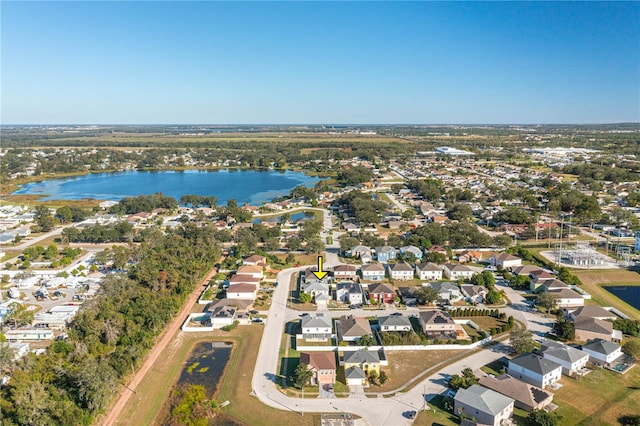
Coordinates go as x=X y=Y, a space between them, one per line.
x=320 y=274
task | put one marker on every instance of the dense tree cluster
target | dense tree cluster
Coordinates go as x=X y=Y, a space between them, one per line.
x=364 y=206
x=354 y=175
x=430 y=189
x=143 y=203
x=75 y=378
x=119 y=232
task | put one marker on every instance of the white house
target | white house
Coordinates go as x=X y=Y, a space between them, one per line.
x=241 y=291
x=571 y=359
x=222 y=316
x=394 y=323
x=505 y=260
x=29 y=334
x=600 y=350
x=350 y=293
x=372 y=272
x=535 y=370
x=400 y=271
x=485 y=406
x=316 y=327
x=429 y=271
x=448 y=292
x=568 y=299
x=456 y=272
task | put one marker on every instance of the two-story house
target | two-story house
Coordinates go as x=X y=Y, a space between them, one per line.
x=400 y=271
x=323 y=366
x=385 y=254
x=359 y=364
x=457 y=272
x=571 y=359
x=345 y=273
x=437 y=324
x=316 y=327
x=415 y=251
x=372 y=272
x=535 y=369
x=448 y=292
x=349 y=293
x=485 y=406
x=381 y=293
x=429 y=271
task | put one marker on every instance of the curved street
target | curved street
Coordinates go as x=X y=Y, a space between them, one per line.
x=373 y=411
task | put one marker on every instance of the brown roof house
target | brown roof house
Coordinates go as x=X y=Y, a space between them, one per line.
x=437 y=324
x=351 y=329
x=527 y=397
x=593 y=328
x=323 y=366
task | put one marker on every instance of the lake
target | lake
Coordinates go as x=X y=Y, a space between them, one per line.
x=630 y=294
x=246 y=186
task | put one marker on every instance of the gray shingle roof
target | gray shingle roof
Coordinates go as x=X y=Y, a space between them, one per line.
x=318 y=320
x=394 y=320
x=565 y=353
x=535 y=363
x=354 y=372
x=483 y=399
x=602 y=346
x=361 y=356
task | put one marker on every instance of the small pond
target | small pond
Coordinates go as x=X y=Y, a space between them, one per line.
x=206 y=365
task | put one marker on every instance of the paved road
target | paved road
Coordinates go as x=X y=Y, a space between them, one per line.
x=374 y=411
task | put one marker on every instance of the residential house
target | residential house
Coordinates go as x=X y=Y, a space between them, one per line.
x=437 y=324
x=568 y=299
x=242 y=291
x=409 y=295
x=535 y=369
x=254 y=271
x=457 y=272
x=323 y=366
x=394 y=323
x=255 y=260
x=571 y=359
x=593 y=311
x=505 y=260
x=540 y=277
x=316 y=327
x=429 y=271
x=310 y=276
x=439 y=249
x=381 y=293
x=372 y=272
x=484 y=405
x=351 y=329
x=400 y=271
x=222 y=316
x=355 y=376
x=349 y=293
x=362 y=359
x=315 y=288
x=415 y=251
x=244 y=279
x=448 y=292
x=385 y=254
x=359 y=251
x=351 y=227
x=592 y=328
x=525 y=270
x=473 y=293
x=526 y=396
x=602 y=351
x=470 y=256
x=22 y=334
x=345 y=273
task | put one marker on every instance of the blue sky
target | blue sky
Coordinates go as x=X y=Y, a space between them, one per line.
x=320 y=62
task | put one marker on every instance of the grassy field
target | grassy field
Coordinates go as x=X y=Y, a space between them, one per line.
x=405 y=365
x=598 y=398
x=147 y=406
x=436 y=415
x=593 y=280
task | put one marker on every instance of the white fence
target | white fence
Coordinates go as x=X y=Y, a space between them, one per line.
x=394 y=348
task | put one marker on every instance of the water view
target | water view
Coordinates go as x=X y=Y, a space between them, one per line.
x=206 y=365
x=630 y=294
x=246 y=186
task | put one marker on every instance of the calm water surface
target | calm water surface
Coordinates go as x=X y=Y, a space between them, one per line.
x=246 y=186
x=206 y=365
x=630 y=294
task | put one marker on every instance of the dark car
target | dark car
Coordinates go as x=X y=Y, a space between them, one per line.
x=412 y=414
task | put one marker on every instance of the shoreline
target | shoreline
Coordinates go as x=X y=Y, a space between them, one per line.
x=8 y=194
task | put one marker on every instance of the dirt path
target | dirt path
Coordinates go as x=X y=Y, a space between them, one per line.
x=165 y=339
